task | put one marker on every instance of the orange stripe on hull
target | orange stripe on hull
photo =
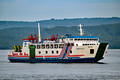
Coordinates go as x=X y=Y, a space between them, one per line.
x=75 y=55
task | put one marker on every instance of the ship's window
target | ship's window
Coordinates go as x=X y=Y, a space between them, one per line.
x=38 y=46
x=61 y=45
x=72 y=44
x=91 y=51
x=39 y=52
x=70 y=51
x=43 y=46
x=75 y=39
x=57 y=52
x=65 y=51
x=51 y=46
x=25 y=44
x=95 y=39
x=78 y=39
x=81 y=39
x=71 y=39
x=68 y=44
x=46 y=52
x=47 y=46
x=55 y=45
x=52 y=52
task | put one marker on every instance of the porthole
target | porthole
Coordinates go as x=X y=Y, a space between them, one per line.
x=57 y=52
x=38 y=46
x=65 y=51
x=70 y=51
x=91 y=51
x=72 y=44
x=46 y=52
x=52 y=52
x=39 y=52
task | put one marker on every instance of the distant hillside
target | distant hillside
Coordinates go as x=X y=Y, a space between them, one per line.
x=60 y=22
x=13 y=36
x=12 y=24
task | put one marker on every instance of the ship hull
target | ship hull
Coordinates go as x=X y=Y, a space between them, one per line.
x=39 y=60
x=60 y=59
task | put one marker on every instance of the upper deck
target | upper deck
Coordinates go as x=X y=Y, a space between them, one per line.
x=81 y=40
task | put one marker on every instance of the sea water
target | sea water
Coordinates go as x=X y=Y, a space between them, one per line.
x=108 y=68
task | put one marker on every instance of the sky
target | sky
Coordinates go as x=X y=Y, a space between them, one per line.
x=34 y=10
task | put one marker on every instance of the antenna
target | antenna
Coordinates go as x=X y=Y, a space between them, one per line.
x=81 y=30
x=39 y=32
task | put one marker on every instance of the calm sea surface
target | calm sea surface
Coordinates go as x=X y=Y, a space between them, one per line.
x=108 y=68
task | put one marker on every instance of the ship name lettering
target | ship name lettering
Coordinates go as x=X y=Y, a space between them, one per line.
x=79 y=48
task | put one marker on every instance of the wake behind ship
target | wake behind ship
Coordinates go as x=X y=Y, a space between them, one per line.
x=68 y=48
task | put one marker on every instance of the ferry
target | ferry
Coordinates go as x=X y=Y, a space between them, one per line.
x=66 y=49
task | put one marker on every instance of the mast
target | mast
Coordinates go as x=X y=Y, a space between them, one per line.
x=81 y=30
x=39 y=32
